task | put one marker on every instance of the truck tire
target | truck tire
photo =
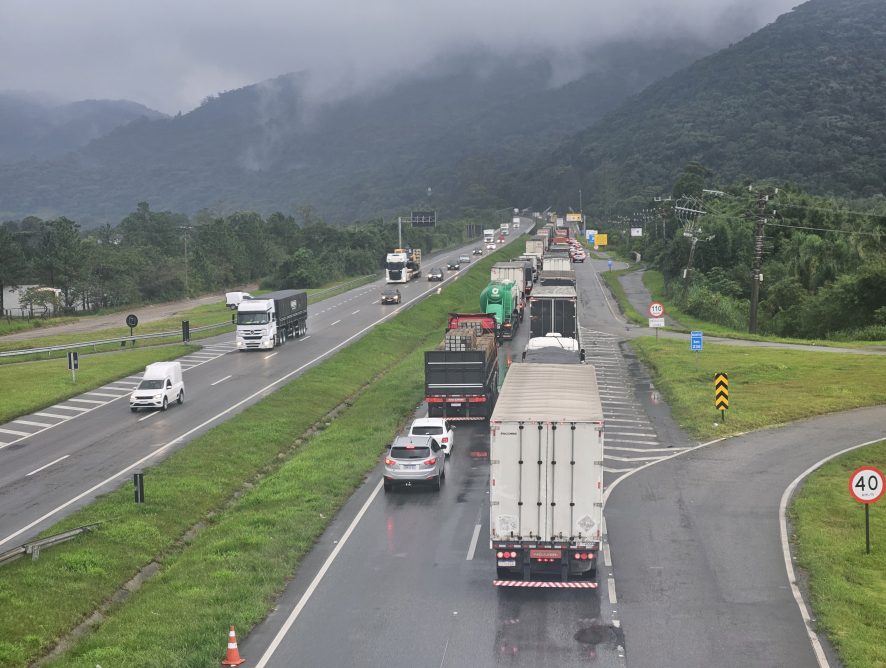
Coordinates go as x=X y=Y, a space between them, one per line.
x=181 y=397
x=165 y=404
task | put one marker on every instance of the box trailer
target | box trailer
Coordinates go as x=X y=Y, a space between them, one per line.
x=546 y=477
x=552 y=309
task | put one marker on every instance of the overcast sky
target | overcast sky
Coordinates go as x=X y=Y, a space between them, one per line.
x=171 y=54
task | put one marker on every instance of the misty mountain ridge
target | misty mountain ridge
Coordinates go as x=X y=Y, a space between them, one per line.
x=269 y=146
x=802 y=100
x=35 y=125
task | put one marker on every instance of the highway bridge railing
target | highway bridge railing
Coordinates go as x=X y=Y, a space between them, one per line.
x=122 y=340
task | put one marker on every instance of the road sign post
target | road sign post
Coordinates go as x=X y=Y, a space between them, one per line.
x=132 y=323
x=695 y=344
x=721 y=393
x=656 y=316
x=866 y=486
x=73 y=364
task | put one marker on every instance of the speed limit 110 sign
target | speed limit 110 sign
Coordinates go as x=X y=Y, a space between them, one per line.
x=866 y=484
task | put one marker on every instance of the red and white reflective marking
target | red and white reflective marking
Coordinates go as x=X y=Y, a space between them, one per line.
x=551 y=585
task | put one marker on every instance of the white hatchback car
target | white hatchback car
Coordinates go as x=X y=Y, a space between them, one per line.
x=439 y=428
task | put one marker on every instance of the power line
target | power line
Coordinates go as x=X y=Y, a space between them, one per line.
x=825 y=229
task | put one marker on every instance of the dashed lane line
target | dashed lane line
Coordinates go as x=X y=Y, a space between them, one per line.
x=46 y=466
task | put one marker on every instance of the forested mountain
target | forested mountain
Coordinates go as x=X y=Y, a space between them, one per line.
x=267 y=148
x=802 y=100
x=39 y=127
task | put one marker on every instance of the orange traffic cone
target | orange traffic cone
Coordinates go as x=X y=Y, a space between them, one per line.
x=233 y=657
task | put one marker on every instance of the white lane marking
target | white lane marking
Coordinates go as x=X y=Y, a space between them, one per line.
x=786 y=551
x=473 y=546
x=632 y=459
x=104 y=394
x=267 y=357
x=32 y=423
x=627 y=440
x=612 y=419
x=220 y=380
x=15 y=433
x=647 y=434
x=203 y=424
x=616 y=447
x=335 y=323
x=607 y=555
x=148 y=416
x=55 y=415
x=72 y=408
x=355 y=312
x=609 y=469
x=89 y=401
x=305 y=338
x=613 y=599
x=46 y=466
x=296 y=611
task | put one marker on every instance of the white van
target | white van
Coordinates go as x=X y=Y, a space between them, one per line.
x=160 y=386
x=233 y=299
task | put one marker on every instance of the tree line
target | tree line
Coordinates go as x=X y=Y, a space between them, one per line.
x=823 y=260
x=153 y=256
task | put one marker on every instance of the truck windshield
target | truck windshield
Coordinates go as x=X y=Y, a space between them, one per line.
x=396 y=265
x=151 y=384
x=257 y=318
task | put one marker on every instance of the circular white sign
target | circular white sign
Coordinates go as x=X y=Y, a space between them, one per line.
x=866 y=484
x=656 y=310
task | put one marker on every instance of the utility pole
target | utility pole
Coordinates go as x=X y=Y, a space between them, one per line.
x=762 y=199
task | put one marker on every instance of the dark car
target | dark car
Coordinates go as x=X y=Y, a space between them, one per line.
x=391 y=296
x=455 y=265
x=478 y=251
x=435 y=274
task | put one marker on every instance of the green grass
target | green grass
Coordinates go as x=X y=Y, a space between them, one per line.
x=848 y=587
x=30 y=386
x=766 y=386
x=612 y=280
x=276 y=523
x=12 y=325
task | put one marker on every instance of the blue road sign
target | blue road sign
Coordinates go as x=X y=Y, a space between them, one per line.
x=695 y=342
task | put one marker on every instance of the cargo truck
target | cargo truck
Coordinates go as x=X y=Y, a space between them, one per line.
x=502 y=299
x=557 y=278
x=552 y=309
x=556 y=262
x=489 y=236
x=519 y=271
x=552 y=349
x=461 y=374
x=403 y=265
x=546 y=477
x=536 y=246
x=269 y=320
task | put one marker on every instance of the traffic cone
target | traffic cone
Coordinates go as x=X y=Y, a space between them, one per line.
x=233 y=657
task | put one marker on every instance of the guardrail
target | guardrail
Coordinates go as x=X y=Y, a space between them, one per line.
x=33 y=547
x=95 y=344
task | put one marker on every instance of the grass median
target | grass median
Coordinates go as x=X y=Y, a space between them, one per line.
x=848 y=587
x=43 y=601
x=767 y=386
x=30 y=386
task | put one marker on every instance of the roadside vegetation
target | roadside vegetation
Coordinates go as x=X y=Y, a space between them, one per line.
x=228 y=517
x=31 y=386
x=767 y=386
x=848 y=587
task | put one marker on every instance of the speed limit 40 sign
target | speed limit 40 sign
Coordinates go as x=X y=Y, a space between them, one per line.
x=866 y=484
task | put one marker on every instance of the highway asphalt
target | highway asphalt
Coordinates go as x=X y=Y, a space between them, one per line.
x=62 y=457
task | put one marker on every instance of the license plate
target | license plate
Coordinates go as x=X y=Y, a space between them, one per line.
x=454 y=404
x=545 y=554
x=507 y=562
x=410 y=467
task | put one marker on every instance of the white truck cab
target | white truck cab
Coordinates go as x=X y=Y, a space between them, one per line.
x=161 y=385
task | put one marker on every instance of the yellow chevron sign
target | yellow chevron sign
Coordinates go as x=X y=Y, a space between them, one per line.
x=721 y=391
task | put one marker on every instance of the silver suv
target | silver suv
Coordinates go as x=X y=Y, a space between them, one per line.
x=413 y=460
